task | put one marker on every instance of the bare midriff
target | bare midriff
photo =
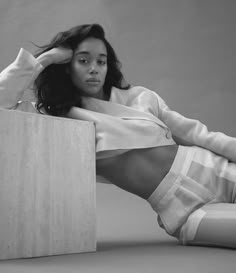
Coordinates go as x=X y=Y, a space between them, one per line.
x=138 y=171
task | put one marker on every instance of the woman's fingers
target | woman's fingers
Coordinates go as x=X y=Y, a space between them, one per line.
x=56 y=55
x=61 y=55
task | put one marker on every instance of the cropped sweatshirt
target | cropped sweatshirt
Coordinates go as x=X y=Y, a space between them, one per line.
x=132 y=119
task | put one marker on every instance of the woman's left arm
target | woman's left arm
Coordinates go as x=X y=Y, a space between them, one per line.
x=187 y=132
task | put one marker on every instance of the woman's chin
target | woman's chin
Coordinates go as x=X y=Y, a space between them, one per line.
x=94 y=93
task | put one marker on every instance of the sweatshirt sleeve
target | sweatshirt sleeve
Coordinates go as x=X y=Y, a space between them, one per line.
x=18 y=77
x=191 y=132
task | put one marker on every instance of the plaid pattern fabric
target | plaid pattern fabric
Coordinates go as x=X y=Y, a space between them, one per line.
x=196 y=178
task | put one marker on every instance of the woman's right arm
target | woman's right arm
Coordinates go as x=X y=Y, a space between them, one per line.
x=18 y=77
x=20 y=74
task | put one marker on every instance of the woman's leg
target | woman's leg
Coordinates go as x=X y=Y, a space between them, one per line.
x=195 y=202
x=212 y=225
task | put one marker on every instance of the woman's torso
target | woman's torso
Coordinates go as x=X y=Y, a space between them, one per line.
x=138 y=171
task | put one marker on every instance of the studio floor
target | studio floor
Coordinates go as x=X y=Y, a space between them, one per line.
x=129 y=241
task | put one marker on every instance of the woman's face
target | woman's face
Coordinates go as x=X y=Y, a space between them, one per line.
x=88 y=67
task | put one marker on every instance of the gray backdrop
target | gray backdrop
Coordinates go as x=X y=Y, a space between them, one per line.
x=184 y=49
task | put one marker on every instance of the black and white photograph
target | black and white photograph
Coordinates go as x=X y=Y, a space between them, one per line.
x=117 y=136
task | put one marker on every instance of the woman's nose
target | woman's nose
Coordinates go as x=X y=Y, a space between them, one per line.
x=93 y=69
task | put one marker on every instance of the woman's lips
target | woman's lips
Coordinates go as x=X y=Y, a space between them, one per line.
x=93 y=81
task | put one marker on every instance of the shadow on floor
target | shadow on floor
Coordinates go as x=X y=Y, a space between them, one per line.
x=125 y=244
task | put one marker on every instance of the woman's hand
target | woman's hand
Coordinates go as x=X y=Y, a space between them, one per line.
x=56 y=55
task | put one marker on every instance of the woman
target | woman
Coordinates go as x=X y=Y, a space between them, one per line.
x=186 y=173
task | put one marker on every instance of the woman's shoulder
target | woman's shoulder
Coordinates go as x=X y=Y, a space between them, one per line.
x=133 y=90
x=134 y=95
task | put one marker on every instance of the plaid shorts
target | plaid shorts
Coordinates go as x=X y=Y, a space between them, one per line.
x=197 y=177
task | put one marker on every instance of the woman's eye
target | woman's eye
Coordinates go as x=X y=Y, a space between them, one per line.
x=102 y=62
x=83 y=61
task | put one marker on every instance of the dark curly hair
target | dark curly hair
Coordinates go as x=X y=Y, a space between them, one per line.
x=54 y=89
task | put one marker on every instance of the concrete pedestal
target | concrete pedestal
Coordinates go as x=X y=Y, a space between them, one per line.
x=47 y=185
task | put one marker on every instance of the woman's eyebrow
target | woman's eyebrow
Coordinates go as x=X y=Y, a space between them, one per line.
x=87 y=53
